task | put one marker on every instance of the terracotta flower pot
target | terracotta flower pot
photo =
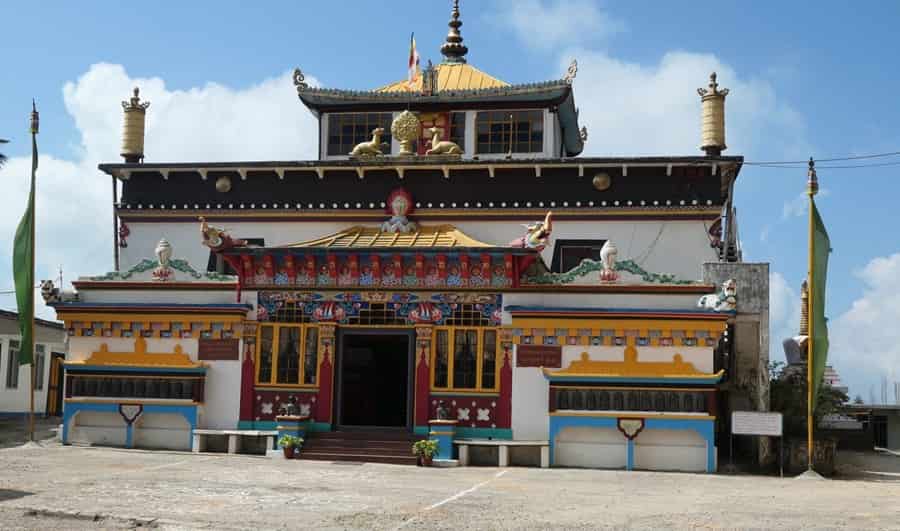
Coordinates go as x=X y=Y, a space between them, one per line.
x=427 y=460
x=288 y=452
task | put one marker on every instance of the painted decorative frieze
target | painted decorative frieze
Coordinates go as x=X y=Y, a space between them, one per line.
x=591 y=272
x=392 y=307
x=164 y=268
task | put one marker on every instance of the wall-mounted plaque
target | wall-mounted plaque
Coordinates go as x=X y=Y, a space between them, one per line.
x=218 y=349
x=549 y=356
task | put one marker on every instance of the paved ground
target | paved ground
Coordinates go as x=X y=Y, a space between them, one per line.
x=14 y=430
x=55 y=487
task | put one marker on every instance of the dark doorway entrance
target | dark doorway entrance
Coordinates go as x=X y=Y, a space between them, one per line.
x=375 y=373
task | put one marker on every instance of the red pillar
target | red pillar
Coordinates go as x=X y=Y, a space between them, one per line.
x=326 y=374
x=504 y=404
x=422 y=407
x=248 y=376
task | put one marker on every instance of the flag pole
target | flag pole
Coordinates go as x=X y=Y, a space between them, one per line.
x=812 y=186
x=34 y=132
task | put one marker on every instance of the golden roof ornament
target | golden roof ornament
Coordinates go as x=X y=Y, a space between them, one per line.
x=133 y=127
x=371 y=148
x=453 y=50
x=713 y=118
x=405 y=128
x=442 y=147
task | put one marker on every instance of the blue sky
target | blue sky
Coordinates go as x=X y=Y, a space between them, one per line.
x=806 y=80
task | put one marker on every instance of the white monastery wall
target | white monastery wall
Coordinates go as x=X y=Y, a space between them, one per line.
x=683 y=450
x=590 y=447
x=599 y=300
x=530 y=396
x=672 y=247
x=16 y=400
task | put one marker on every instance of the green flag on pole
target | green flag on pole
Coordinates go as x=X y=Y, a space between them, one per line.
x=821 y=247
x=23 y=258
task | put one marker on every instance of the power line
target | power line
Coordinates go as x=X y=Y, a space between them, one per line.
x=833 y=159
x=827 y=166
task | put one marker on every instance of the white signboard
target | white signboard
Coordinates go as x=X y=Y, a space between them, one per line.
x=756 y=423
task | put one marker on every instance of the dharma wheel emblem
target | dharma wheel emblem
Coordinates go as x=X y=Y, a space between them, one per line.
x=405 y=129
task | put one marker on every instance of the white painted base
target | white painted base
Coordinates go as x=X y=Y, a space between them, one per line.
x=445 y=463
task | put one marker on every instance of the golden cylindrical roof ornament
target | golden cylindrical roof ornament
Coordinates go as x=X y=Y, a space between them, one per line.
x=133 y=128
x=713 y=121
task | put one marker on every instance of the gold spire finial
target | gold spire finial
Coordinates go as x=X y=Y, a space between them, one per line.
x=713 y=120
x=453 y=50
x=812 y=182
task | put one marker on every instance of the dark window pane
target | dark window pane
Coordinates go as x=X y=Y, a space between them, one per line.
x=465 y=355
x=311 y=355
x=288 y=355
x=441 y=358
x=489 y=363
x=265 y=354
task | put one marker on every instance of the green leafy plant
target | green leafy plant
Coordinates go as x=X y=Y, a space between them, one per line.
x=425 y=448
x=787 y=394
x=290 y=441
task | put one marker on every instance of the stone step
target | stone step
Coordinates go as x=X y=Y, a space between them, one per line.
x=358 y=457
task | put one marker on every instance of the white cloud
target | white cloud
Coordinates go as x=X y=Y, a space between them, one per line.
x=209 y=123
x=799 y=205
x=547 y=24
x=636 y=109
x=865 y=340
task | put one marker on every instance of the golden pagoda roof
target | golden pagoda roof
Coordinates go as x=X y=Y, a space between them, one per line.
x=451 y=76
x=438 y=236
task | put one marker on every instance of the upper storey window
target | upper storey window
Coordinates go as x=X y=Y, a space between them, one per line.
x=347 y=130
x=510 y=132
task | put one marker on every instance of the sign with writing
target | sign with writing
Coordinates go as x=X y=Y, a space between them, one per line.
x=549 y=356
x=756 y=423
x=218 y=349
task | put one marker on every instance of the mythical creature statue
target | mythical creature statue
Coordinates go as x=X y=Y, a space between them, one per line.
x=217 y=239
x=442 y=147
x=724 y=301
x=372 y=148
x=537 y=234
x=53 y=295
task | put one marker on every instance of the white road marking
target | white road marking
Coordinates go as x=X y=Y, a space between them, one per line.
x=456 y=496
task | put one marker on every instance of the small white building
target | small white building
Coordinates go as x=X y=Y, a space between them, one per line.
x=50 y=352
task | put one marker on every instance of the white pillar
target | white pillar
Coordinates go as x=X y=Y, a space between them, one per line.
x=504 y=455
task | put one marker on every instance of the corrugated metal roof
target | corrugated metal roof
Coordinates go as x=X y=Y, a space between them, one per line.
x=440 y=236
x=452 y=76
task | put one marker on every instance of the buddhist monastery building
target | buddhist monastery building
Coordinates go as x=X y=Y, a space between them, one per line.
x=448 y=267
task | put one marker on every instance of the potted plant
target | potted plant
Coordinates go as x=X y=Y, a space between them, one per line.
x=290 y=445
x=425 y=451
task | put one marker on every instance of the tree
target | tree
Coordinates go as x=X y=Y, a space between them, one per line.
x=787 y=393
x=2 y=156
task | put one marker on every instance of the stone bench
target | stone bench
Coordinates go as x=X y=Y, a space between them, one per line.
x=502 y=449
x=234 y=438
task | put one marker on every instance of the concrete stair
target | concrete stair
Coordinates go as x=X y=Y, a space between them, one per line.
x=370 y=446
